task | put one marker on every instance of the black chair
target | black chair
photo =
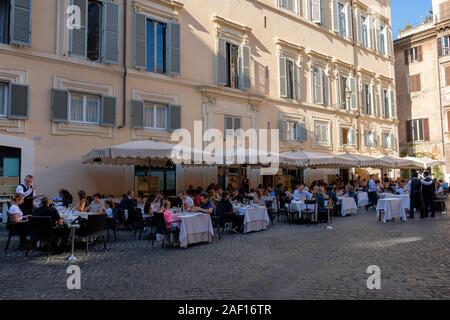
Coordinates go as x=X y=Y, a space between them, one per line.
x=161 y=228
x=111 y=225
x=93 y=227
x=271 y=212
x=140 y=224
x=217 y=219
x=282 y=209
x=13 y=231
x=41 y=229
x=310 y=212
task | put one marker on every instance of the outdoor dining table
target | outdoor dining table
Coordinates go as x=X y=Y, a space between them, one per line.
x=256 y=218
x=300 y=206
x=404 y=197
x=392 y=207
x=195 y=228
x=363 y=199
x=348 y=206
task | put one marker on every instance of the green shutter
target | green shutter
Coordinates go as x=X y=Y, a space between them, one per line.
x=137 y=114
x=174 y=117
x=173 y=51
x=110 y=43
x=140 y=34
x=18 y=101
x=60 y=102
x=108 y=111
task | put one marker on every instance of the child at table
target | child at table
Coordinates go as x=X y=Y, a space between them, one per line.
x=172 y=222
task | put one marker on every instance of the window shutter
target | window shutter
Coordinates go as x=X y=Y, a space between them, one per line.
x=352 y=137
x=296 y=84
x=110 y=52
x=447 y=76
x=349 y=21
x=419 y=53
x=222 y=63
x=174 y=117
x=372 y=100
x=174 y=47
x=244 y=53
x=448 y=121
x=108 y=111
x=283 y=129
x=409 y=132
x=383 y=104
x=426 y=129
x=360 y=29
x=283 y=77
x=18 y=101
x=336 y=15
x=353 y=101
x=341 y=141
x=406 y=57
x=78 y=37
x=316 y=11
x=140 y=50
x=137 y=114
x=303 y=132
x=393 y=105
x=440 y=46
x=60 y=105
x=363 y=100
x=323 y=12
x=325 y=88
x=20 y=25
x=369 y=31
x=389 y=42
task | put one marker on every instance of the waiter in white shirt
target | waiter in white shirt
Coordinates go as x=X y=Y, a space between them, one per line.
x=27 y=190
x=372 y=192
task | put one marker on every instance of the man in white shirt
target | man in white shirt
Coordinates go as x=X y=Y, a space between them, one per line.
x=26 y=189
x=300 y=194
x=188 y=203
x=372 y=192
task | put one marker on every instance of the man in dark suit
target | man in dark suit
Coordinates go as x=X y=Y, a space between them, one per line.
x=66 y=197
x=128 y=203
x=428 y=191
x=415 y=195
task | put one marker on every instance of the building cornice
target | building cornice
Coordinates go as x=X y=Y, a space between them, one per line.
x=289 y=45
x=217 y=91
x=219 y=20
x=415 y=38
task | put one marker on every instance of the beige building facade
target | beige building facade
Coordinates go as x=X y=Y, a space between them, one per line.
x=320 y=71
x=423 y=86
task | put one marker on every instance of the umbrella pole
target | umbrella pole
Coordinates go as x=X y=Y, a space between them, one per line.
x=149 y=176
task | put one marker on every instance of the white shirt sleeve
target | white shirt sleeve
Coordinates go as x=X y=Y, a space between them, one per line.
x=19 y=190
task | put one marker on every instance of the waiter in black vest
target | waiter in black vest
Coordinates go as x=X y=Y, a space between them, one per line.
x=415 y=193
x=428 y=191
x=27 y=190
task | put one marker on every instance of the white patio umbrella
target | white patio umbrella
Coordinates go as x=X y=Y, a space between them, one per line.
x=363 y=161
x=400 y=163
x=313 y=159
x=424 y=163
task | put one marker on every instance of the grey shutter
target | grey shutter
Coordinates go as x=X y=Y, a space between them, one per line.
x=173 y=52
x=18 y=101
x=363 y=100
x=244 y=77
x=174 y=117
x=137 y=114
x=349 y=21
x=303 y=132
x=110 y=42
x=353 y=100
x=108 y=111
x=283 y=129
x=140 y=34
x=440 y=46
x=372 y=100
x=60 y=105
x=323 y=12
x=388 y=42
x=336 y=15
x=393 y=105
x=325 y=89
x=222 y=75
x=20 y=25
x=383 y=104
x=283 y=77
x=353 y=137
x=315 y=11
x=360 y=29
x=296 y=73
x=78 y=37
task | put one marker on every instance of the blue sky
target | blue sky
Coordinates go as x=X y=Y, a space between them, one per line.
x=407 y=11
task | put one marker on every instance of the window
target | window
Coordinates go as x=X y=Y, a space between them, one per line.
x=415 y=83
x=417 y=130
x=156 y=46
x=290 y=5
x=347 y=136
x=382 y=41
x=319 y=86
x=295 y=131
x=232 y=123
x=155 y=116
x=385 y=103
x=84 y=108
x=3 y=99
x=321 y=133
x=233 y=65
x=316 y=11
x=444 y=44
x=387 y=140
x=342 y=19
x=370 y=138
x=4 y=21
x=344 y=99
x=364 y=38
x=447 y=75
x=94 y=30
x=288 y=78
x=413 y=55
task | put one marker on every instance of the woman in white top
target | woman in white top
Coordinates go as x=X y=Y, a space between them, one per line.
x=17 y=223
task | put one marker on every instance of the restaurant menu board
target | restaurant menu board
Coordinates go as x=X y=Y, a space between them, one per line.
x=8 y=185
x=147 y=185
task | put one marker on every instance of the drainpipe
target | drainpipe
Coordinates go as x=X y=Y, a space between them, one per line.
x=440 y=104
x=124 y=63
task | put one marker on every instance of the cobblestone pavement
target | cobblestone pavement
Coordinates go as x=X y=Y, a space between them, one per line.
x=285 y=262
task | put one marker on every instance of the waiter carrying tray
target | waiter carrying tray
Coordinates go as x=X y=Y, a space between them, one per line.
x=27 y=190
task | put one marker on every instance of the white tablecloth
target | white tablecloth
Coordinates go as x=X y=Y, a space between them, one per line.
x=404 y=197
x=348 y=206
x=256 y=219
x=195 y=228
x=363 y=199
x=68 y=219
x=392 y=207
